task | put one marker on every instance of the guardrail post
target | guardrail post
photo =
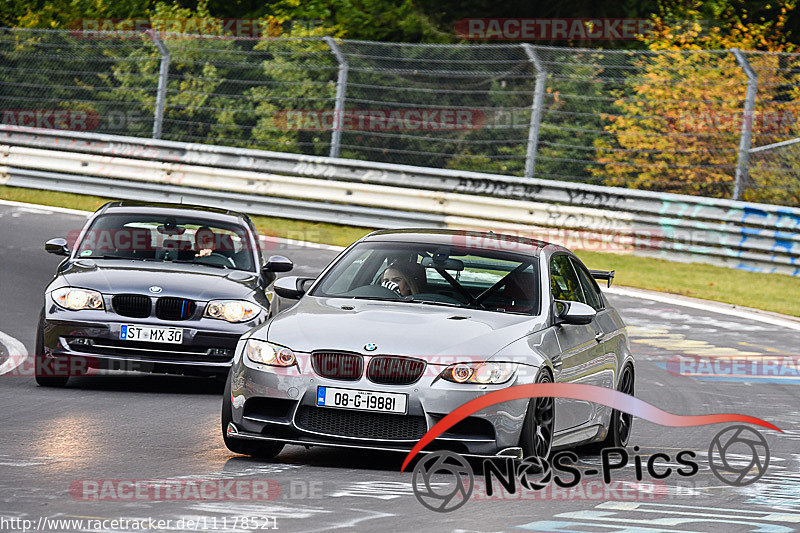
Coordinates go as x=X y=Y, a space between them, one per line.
x=341 y=85
x=536 y=109
x=743 y=164
x=163 y=73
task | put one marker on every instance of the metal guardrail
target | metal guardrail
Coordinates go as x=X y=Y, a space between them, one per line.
x=743 y=235
x=665 y=120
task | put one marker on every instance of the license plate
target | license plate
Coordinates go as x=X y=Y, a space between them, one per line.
x=361 y=400
x=148 y=334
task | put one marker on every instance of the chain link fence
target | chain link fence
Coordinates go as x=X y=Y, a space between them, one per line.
x=672 y=121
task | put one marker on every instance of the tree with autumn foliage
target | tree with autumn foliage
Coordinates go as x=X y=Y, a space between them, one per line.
x=681 y=110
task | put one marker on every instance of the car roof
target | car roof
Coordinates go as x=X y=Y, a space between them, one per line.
x=484 y=240
x=166 y=209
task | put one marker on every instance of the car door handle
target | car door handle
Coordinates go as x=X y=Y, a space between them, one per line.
x=599 y=337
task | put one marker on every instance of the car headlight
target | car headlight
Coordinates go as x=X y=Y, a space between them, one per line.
x=269 y=354
x=232 y=310
x=483 y=373
x=76 y=299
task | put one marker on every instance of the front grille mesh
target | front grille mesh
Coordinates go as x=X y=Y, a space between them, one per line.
x=132 y=305
x=333 y=365
x=394 y=370
x=169 y=308
x=362 y=425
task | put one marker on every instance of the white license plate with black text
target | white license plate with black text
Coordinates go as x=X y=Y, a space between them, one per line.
x=148 y=334
x=362 y=400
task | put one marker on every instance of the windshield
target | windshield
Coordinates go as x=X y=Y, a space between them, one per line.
x=148 y=237
x=437 y=275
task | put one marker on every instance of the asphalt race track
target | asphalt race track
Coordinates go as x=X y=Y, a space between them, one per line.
x=144 y=427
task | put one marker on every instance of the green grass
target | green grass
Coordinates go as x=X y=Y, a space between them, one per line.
x=771 y=292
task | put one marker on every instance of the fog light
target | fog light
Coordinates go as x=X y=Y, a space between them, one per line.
x=81 y=341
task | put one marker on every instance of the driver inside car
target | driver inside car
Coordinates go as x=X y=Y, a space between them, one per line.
x=205 y=243
x=405 y=278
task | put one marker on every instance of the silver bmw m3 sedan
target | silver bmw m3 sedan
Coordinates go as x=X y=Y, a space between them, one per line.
x=405 y=326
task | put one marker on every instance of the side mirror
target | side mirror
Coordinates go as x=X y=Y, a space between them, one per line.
x=57 y=246
x=292 y=287
x=577 y=313
x=277 y=263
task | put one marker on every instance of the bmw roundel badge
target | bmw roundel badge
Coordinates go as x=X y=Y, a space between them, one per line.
x=155 y=289
x=371 y=347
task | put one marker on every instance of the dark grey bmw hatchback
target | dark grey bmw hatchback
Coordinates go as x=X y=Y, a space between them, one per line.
x=154 y=288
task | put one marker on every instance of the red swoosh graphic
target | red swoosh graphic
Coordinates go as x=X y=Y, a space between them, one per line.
x=591 y=393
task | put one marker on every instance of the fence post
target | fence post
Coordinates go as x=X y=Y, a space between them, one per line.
x=536 y=109
x=341 y=85
x=163 y=73
x=743 y=164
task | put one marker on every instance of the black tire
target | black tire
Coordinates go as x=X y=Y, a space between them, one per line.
x=262 y=450
x=619 y=431
x=536 y=439
x=44 y=367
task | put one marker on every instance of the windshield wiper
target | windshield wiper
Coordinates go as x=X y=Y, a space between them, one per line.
x=429 y=302
x=111 y=256
x=374 y=298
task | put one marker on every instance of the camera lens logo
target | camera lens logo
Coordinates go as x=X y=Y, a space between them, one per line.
x=534 y=473
x=738 y=456
x=452 y=491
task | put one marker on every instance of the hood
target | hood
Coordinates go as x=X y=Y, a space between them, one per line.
x=396 y=328
x=197 y=282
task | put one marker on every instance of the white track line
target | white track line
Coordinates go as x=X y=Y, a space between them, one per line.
x=16 y=353
x=712 y=307
x=45 y=208
x=304 y=244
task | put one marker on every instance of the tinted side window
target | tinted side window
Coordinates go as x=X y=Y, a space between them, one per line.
x=563 y=281
x=590 y=289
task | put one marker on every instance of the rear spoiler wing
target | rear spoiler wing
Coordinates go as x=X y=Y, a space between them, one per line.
x=607 y=275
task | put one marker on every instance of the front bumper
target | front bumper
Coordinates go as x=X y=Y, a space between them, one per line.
x=97 y=344
x=279 y=404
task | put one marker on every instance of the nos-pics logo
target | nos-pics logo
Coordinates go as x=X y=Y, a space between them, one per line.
x=444 y=481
